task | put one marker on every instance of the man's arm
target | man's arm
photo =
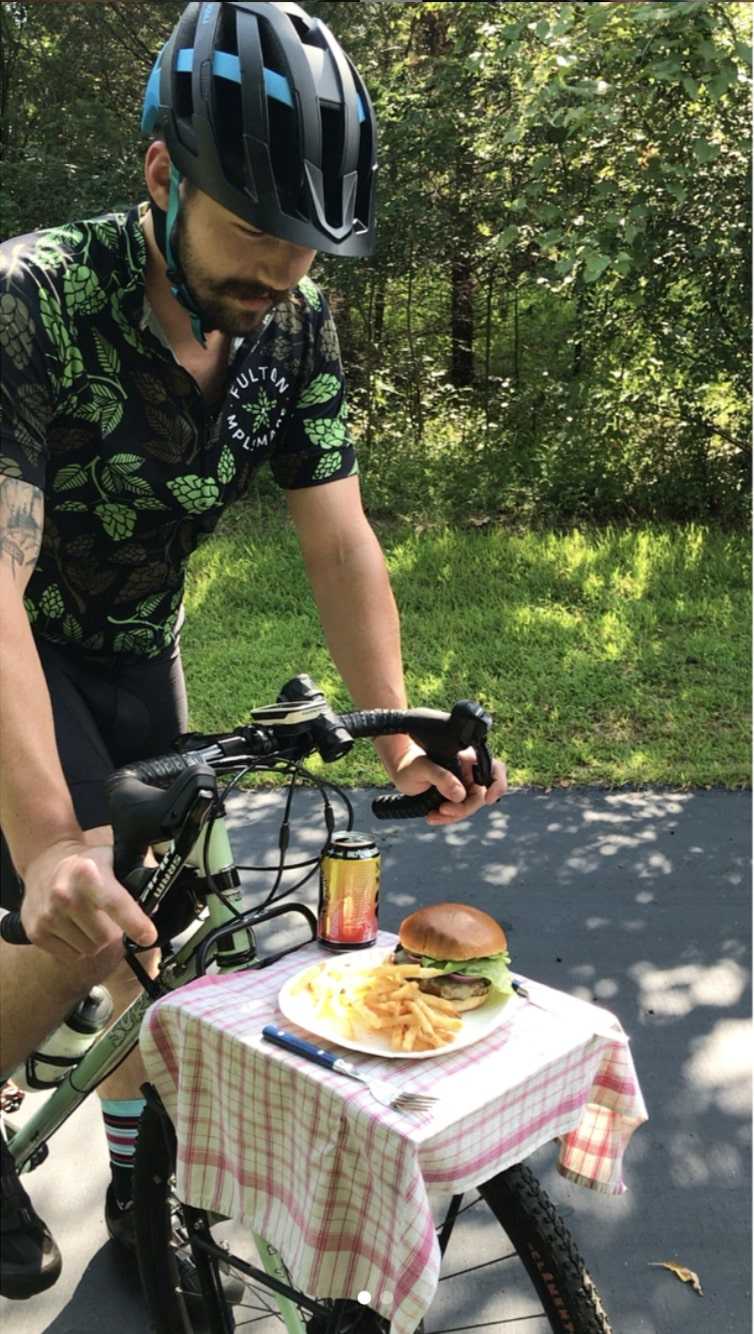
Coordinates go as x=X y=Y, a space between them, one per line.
x=67 y=883
x=357 y=609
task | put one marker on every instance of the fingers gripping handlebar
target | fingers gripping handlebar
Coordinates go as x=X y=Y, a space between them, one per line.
x=141 y=813
x=441 y=735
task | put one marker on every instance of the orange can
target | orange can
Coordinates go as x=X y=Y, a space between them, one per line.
x=349 y=892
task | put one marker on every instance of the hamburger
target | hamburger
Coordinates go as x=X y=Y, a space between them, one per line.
x=466 y=944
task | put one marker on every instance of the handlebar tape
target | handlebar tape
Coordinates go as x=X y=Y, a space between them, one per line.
x=437 y=733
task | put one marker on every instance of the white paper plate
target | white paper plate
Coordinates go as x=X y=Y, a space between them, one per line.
x=297 y=1006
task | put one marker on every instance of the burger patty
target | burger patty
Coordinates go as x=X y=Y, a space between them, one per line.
x=455 y=988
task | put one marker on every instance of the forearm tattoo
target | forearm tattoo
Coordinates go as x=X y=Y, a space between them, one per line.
x=21 y=521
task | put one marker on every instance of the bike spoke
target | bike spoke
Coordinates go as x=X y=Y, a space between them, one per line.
x=487 y=1324
x=512 y=1255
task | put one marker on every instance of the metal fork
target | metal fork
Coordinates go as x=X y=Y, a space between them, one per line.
x=403 y=1101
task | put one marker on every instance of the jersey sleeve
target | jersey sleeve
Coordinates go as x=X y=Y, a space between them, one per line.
x=28 y=392
x=316 y=446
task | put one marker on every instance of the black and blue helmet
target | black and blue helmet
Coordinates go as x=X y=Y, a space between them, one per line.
x=262 y=110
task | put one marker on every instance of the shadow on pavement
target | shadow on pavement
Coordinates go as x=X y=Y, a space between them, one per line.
x=106 y=1300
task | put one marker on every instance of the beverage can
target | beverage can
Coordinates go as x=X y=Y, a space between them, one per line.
x=349 y=891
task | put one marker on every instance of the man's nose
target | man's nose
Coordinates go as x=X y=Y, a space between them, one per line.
x=283 y=265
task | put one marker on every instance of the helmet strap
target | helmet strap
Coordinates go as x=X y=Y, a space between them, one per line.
x=165 y=230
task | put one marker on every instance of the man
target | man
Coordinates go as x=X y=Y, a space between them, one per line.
x=152 y=361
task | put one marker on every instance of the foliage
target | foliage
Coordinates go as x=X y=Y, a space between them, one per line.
x=613 y=656
x=555 y=325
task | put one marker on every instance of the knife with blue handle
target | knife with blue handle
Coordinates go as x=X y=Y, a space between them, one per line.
x=401 y=1100
x=303 y=1048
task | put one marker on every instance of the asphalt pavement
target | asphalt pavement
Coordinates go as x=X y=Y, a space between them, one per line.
x=637 y=900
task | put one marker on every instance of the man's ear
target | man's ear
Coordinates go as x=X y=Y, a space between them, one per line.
x=157 y=172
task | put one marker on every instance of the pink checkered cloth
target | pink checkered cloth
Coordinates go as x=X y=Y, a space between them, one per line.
x=339 y=1184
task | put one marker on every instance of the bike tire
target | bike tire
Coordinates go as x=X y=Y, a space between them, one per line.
x=521 y=1207
x=154 y=1161
x=547 y=1250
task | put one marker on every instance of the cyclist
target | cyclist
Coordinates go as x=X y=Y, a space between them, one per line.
x=153 y=360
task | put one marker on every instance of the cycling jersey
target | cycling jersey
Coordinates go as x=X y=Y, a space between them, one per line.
x=136 y=469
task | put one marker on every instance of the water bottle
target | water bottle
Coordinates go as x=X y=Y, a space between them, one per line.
x=45 y=1068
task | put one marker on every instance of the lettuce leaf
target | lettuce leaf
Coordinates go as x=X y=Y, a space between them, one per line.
x=494 y=968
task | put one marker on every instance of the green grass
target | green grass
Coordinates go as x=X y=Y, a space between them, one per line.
x=606 y=657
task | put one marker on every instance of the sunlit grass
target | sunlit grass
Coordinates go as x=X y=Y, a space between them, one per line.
x=606 y=657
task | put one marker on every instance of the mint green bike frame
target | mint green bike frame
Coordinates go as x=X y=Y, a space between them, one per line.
x=117 y=1042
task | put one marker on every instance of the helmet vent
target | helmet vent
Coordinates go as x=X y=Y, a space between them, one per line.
x=332 y=149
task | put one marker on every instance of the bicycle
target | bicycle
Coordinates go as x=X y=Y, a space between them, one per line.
x=174 y=803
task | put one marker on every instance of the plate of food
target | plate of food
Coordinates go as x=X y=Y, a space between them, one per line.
x=445 y=986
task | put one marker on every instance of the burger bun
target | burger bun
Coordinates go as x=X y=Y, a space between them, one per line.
x=452 y=931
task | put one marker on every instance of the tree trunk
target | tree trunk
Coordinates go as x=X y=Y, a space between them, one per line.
x=462 y=322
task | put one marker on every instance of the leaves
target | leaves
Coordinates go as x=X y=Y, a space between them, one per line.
x=594 y=267
x=685 y=1275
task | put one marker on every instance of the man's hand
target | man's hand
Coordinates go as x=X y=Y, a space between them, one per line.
x=73 y=905
x=415 y=772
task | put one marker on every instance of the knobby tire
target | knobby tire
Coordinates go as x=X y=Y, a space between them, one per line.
x=542 y=1241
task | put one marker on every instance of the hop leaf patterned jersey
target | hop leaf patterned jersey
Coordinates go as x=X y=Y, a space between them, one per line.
x=136 y=469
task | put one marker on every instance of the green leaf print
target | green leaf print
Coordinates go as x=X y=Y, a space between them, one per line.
x=260 y=411
x=328 y=340
x=83 y=294
x=113 y=480
x=289 y=318
x=106 y=354
x=73 y=366
x=68 y=478
x=9 y=467
x=138 y=640
x=319 y=390
x=149 y=503
x=52 y=320
x=105 y=232
x=226 y=468
x=118 y=475
x=71 y=628
x=145 y=608
x=310 y=291
x=196 y=494
x=118 y=521
x=51 y=601
x=51 y=249
x=31 y=610
x=128 y=331
x=29 y=445
x=72 y=505
x=106 y=410
x=126 y=463
x=17 y=330
x=328 y=464
x=328 y=432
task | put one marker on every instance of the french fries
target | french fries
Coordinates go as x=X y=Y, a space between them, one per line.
x=384 y=999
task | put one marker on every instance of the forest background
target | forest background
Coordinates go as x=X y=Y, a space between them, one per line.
x=555 y=326
x=548 y=360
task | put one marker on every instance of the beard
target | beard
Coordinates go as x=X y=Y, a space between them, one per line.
x=215 y=300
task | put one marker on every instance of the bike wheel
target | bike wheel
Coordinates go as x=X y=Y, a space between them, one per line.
x=187 y=1292
x=539 y=1278
x=536 y=1280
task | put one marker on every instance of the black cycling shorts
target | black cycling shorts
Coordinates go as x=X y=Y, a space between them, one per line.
x=107 y=713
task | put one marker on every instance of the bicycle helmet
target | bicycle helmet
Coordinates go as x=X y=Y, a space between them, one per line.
x=261 y=109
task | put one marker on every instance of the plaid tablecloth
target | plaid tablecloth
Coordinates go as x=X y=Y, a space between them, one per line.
x=341 y=1185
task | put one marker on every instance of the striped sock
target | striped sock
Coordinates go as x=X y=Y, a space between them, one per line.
x=121 y=1117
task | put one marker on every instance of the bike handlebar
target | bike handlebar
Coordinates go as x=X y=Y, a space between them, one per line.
x=301 y=722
